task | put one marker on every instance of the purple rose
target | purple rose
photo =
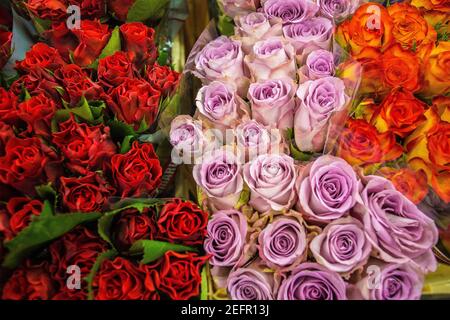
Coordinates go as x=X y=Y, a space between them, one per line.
x=221 y=59
x=273 y=102
x=225 y=240
x=319 y=100
x=397 y=229
x=271 y=180
x=219 y=103
x=311 y=281
x=328 y=189
x=290 y=11
x=337 y=9
x=233 y=8
x=319 y=64
x=219 y=175
x=282 y=243
x=254 y=27
x=273 y=58
x=250 y=283
x=389 y=282
x=342 y=246
x=314 y=33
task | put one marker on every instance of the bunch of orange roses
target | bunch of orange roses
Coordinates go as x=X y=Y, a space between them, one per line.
x=400 y=126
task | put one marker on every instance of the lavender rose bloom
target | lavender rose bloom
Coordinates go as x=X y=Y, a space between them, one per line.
x=319 y=100
x=219 y=175
x=319 y=64
x=328 y=189
x=337 y=9
x=273 y=102
x=271 y=58
x=290 y=11
x=219 y=103
x=397 y=229
x=314 y=33
x=250 y=284
x=311 y=281
x=233 y=8
x=394 y=282
x=271 y=179
x=342 y=246
x=225 y=240
x=282 y=243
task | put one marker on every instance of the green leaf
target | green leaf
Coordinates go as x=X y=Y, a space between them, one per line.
x=113 y=44
x=46 y=192
x=107 y=255
x=42 y=229
x=143 y=10
x=83 y=111
x=153 y=249
x=119 y=130
x=225 y=25
x=126 y=144
x=153 y=138
x=41 y=25
x=243 y=198
x=299 y=155
x=204 y=284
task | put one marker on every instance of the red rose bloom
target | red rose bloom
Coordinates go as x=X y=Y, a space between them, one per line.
x=86 y=148
x=8 y=104
x=90 y=9
x=54 y=10
x=120 y=8
x=41 y=56
x=17 y=215
x=182 y=221
x=62 y=39
x=37 y=81
x=135 y=101
x=180 y=274
x=114 y=69
x=138 y=172
x=131 y=225
x=5 y=47
x=92 y=38
x=6 y=133
x=77 y=84
x=120 y=279
x=139 y=43
x=86 y=194
x=163 y=78
x=38 y=113
x=29 y=282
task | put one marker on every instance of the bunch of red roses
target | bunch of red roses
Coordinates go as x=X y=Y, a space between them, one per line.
x=133 y=230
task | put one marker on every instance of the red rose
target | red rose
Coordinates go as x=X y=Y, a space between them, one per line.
x=119 y=8
x=86 y=148
x=29 y=282
x=131 y=225
x=92 y=38
x=137 y=172
x=90 y=9
x=41 y=56
x=37 y=81
x=5 y=47
x=139 y=43
x=86 y=194
x=121 y=279
x=163 y=78
x=24 y=163
x=77 y=84
x=70 y=294
x=62 y=39
x=53 y=10
x=38 y=113
x=182 y=221
x=180 y=274
x=135 y=101
x=6 y=133
x=114 y=70
x=17 y=215
x=8 y=105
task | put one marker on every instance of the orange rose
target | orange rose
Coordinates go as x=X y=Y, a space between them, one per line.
x=413 y=184
x=401 y=68
x=442 y=106
x=372 y=74
x=361 y=144
x=439 y=20
x=410 y=29
x=436 y=68
x=370 y=26
x=400 y=113
x=440 y=5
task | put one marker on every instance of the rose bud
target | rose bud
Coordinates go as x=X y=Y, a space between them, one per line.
x=319 y=100
x=37 y=81
x=310 y=34
x=42 y=56
x=113 y=70
x=290 y=11
x=37 y=112
x=233 y=8
x=342 y=246
x=219 y=175
x=271 y=179
x=271 y=58
x=398 y=230
x=8 y=105
x=327 y=189
x=273 y=102
x=319 y=64
x=54 y=10
x=119 y=8
x=139 y=43
x=338 y=10
x=90 y=9
x=311 y=281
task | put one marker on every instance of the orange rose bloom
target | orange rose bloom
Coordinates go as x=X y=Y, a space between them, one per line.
x=436 y=69
x=442 y=106
x=400 y=113
x=439 y=145
x=440 y=5
x=401 y=68
x=372 y=74
x=361 y=144
x=370 y=26
x=413 y=184
x=410 y=29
